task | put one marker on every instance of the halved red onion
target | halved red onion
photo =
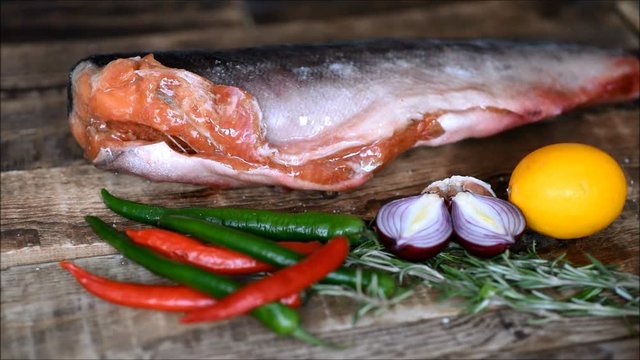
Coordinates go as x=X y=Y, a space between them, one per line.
x=415 y=228
x=485 y=225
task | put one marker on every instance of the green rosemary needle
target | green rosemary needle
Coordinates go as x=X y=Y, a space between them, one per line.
x=525 y=282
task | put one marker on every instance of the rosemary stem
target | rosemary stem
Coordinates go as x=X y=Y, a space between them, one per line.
x=523 y=281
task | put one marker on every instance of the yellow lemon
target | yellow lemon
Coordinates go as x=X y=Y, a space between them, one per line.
x=568 y=190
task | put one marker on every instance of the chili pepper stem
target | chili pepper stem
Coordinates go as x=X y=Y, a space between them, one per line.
x=300 y=334
x=367 y=235
x=280 y=318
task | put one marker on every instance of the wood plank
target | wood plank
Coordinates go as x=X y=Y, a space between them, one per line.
x=623 y=348
x=56 y=20
x=37 y=65
x=42 y=303
x=35 y=109
x=34 y=131
x=46 y=314
x=48 y=224
x=283 y=10
x=49 y=189
x=630 y=11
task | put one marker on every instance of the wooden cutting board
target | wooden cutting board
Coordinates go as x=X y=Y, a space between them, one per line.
x=47 y=189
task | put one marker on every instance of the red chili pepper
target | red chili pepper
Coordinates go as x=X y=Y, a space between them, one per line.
x=156 y=297
x=215 y=259
x=292 y=279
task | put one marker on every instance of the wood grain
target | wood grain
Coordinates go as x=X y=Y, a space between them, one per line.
x=57 y=230
x=61 y=318
x=56 y=19
x=35 y=133
x=47 y=187
x=630 y=12
x=38 y=65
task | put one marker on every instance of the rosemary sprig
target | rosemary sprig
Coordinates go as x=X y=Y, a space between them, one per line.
x=526 y=282
x=370 y=299
x=523 y=281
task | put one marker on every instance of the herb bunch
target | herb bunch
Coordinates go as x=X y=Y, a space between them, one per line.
x=522 y=281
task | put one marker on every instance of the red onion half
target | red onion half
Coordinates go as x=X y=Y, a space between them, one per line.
x=415 y=228
x=485 y=225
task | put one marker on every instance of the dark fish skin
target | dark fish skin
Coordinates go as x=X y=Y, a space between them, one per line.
x=238 y=67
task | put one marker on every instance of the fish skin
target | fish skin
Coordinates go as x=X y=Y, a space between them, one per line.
x=371 y=91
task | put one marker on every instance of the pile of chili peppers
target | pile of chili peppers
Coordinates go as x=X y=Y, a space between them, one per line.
x=201 y=249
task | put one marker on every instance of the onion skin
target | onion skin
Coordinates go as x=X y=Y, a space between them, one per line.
x=487 y=244
x=481 y=251
x=415 y=228
x=449 y=187
x=410 y=252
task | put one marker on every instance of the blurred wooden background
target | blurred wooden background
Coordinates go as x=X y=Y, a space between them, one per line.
x=47 y=187
x=54 y=20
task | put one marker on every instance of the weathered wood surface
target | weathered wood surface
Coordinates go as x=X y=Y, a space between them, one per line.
x=37 y=65
x=47 y=188
x=54 y=295
x=61 y=319
x=33 y=233
x=54 y=20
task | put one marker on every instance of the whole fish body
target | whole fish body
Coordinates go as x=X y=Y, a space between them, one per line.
x=323 y=116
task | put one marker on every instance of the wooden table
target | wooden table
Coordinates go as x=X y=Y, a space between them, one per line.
x=47 y=187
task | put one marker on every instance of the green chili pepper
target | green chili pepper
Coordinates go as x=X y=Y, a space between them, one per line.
x=280 y=318
x=275 y=225
x=268 y=251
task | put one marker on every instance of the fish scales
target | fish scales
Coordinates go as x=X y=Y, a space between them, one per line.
x=323 y=116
